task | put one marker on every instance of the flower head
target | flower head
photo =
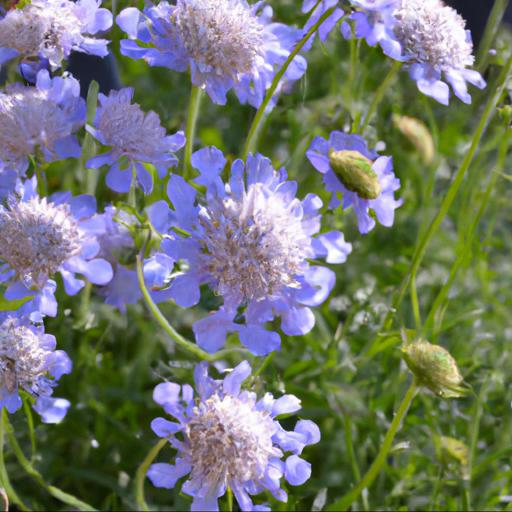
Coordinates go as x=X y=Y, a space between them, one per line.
x=437 y=46
x=51 y=29
x=250 y=242
x=227 y=44
x=40 y=237
x=29 y=362
x=229 y=438
x=42 y=118
x=365 y=179
x=135 y=137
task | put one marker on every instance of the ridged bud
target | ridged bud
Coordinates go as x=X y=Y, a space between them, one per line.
x=355 y=172
x=418 y=135
x=434 y=368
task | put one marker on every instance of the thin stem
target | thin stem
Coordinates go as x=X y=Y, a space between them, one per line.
x=349 y=498
x=57 y=493
x=415 y=304
x=264 y=364
x=167 y=327
x=379 y=95
x=422 y=245
x=193 y=113
x=250 y=143
x=229 y=493
x=491 y=30
x=30 y=422
x=142 y=470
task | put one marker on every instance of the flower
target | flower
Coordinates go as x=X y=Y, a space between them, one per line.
x=42 y=118
x=226 y=44
x=228 y=438
x=29 y=362
x=51 y=29
x=328 y=25
x=250 y=242
x=40 y=237
x=437 y=46
x=348 y=166
x=373 y=21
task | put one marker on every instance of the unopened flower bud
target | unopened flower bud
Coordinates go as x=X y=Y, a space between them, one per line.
x=434 y=368
x=417 y=134
x=453 y=450
x=356 y=173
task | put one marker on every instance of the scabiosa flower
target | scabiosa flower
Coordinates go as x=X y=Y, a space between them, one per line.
x=42 y=118
x=373 y=21
x=250 y=242
x=364 y=178
x=438 y=47
x=328 y=25
x=135 y=138
x=51 y=29
x=29 y=362
x=226 y=44
x=228 y=438
x=40 y=237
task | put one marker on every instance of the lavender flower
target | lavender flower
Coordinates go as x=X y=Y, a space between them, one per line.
x=42 y=118
x=29 y=362
x=250 y=242
x=437 y=47
x=40 y=237
x=364 y=178
x=373 y=21
x=226 y=44
x=51 y=29
x=135 y=138
x=228 y=438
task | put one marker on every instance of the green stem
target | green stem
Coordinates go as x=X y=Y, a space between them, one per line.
x=167 y=327
x=30 y=422
x=264 y=364
x=142 y=470
x=491 y=30
x=379 y=95
x=422 y=245
x=349 y=498
x=60 y=495
x=415 y=304
x=193 y=113
x=250 y=143
x=229 y=494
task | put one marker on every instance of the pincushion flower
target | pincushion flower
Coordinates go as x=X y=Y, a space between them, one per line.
x=135 y=138
x=52 y=29
x=226 y=44
x=316 y=12
x=364 y=178
x=437 y=47
x=226 y=437
x=250 y=242
x=29 y=362
x=42 y=119
x=40 y=237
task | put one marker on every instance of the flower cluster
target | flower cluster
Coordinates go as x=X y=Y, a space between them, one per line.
x=250 y=242
x=229 y=438
x=226 y=44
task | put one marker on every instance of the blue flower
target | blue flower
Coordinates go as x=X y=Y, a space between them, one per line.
x=373 y=21
x=135 y=138
x=44 y=118
x=29 y=362
x=250 y=242
x=40 y=237
x=228 y=438
x=226 y=44
x=328 y=25
x=438 y=49
x=51 y=29
x=321 y=153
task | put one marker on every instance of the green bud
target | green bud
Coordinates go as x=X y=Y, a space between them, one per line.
x=453 y=450
x=418 y=135
x=434 y=368
x=355 y=172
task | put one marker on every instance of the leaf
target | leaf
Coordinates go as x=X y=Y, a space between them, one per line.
x=13 y=305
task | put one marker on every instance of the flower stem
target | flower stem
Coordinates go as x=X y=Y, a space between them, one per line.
x=491 y=30
x=167 y=327
x=62 y=496
x=142 y=470
x=379 y=95
x=250 y=143
x=229 y=494
x=190 y=133
x=349 y=498
x=422 y=245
